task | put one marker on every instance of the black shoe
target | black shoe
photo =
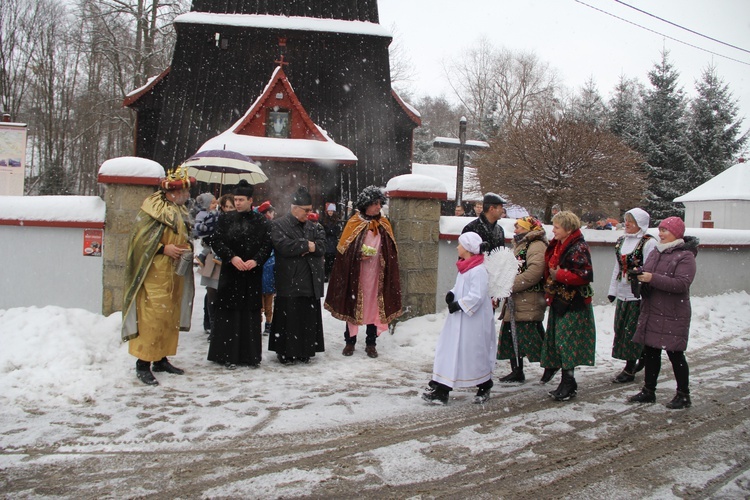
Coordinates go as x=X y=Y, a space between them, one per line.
x=567 y=389
x=680 y=401
x=284 y=360
x=516 y=376
x=624 y=377
x=436 y=397
x=645 y=396
x=482 y=396
x=143 y=372
x=547 y=375
x=163 y=365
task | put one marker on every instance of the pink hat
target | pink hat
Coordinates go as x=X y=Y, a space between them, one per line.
x=674 y=225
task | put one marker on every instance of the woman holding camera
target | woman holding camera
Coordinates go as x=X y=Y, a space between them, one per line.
x=631 y=251
x=664 y=322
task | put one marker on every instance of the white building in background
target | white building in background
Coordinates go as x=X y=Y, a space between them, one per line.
x=722 y=202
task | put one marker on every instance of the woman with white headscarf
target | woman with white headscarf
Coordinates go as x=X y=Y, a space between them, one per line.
x=631 y=252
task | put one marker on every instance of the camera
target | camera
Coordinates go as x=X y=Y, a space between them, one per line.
x=635 y=285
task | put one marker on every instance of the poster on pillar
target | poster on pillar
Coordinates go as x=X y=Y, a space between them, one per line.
x=92 y=242
x=12 y=158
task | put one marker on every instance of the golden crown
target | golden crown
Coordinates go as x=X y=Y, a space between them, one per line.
x=177 y=178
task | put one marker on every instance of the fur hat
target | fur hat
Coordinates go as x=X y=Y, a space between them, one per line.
x=471 y=241
x=302 y=197
x=244 y=188
x=493 y=199
x=368 y=196
x=674 y=225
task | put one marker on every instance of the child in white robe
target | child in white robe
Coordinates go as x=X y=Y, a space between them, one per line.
x=465 y=352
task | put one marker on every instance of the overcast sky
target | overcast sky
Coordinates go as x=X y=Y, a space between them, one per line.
x=578 y=41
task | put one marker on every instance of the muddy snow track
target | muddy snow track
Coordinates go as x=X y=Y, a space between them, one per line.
x=519 y=445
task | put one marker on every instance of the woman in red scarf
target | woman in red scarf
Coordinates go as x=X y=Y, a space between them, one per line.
x=570 y=339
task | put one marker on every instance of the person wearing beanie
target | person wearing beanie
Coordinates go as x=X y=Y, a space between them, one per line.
x=664 y=321
x=242 y=241
x=333 y=226
x=631 y=251
x=299 y=245
x=525 y=311
x=486 y=225
x=157 y=297
x=364 y=288
x=465 y=351
x=570 y=339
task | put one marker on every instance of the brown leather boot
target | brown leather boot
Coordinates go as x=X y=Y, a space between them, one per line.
x=371 y=351
x=348 y=350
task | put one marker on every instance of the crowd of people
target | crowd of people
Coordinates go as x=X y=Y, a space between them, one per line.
x=257 y=266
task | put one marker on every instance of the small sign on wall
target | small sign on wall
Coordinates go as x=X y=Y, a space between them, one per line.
x=92 y=242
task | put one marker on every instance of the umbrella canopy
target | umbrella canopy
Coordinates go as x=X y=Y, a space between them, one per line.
x=224 y=167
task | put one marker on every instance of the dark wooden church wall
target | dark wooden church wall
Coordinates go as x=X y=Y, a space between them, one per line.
x=342 y=81
x=350 y=10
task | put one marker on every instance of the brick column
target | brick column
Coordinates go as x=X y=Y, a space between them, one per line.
x=123 y=196
x=414 y=211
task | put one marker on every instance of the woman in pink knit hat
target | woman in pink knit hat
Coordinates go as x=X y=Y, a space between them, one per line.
x=664 y=321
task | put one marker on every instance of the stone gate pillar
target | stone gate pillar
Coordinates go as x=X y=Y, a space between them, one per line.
x=414 y=211
x=129 y=181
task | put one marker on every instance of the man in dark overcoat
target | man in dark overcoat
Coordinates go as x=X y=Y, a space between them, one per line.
x=299 y=245
x=242 y=240
x=486 y=225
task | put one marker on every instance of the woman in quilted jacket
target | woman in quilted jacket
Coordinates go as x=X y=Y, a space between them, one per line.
x=664 y=322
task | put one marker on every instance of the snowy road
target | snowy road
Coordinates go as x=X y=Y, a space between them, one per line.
x=341 y=427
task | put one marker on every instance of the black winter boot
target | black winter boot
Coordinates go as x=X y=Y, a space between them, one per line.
x=568 y=387
x=438 y=396
x=143 y=372
x=516 y=374
x=645 y=396
x=163 y=365
x=681 y=400
x=483 y=392
x=547 y=375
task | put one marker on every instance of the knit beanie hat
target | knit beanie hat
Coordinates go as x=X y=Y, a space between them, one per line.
x=470 y=241
x=368 y=196
x=530 y=223
x=264 y=207
x=204 y=200
x=302 y=197
x=674 y=225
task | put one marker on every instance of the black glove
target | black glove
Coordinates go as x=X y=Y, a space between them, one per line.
x=453 y=307
x=611 y=298
x=484 y=247
x=449 y=298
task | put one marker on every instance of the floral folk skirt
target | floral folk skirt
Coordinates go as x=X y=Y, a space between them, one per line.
x=530 y=335
x=626 y=320
x=570 y=339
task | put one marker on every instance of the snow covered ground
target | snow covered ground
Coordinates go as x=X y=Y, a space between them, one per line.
x=66 y=381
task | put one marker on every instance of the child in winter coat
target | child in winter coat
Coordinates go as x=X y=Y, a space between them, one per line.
x=465 y=352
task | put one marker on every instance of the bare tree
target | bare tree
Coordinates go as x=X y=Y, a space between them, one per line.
x=402 y=69
x=555 y=160
x=501 y=88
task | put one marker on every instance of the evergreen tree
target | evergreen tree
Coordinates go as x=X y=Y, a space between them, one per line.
x=624 y=117
x=715 y=135
x=588 y=106
x=671 y=170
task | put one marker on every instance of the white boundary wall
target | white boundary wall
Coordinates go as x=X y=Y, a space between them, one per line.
x=723 y=258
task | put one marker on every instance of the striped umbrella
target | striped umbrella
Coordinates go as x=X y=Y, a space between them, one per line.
x=220 y=166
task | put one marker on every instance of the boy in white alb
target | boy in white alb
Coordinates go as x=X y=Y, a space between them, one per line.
x=465 y=352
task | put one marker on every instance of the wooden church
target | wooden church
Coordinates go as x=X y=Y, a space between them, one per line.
x=301 y=86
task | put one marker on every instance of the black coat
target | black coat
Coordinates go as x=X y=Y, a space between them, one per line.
x=491 y=234
x=247 y=236
x=298 y=272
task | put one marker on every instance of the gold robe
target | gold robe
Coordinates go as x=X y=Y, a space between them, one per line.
x=158 y=302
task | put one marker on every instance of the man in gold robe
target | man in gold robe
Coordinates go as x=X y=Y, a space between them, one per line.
x=158 y=300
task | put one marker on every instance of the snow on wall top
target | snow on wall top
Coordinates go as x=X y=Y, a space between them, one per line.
x=52 y=208
x=447 y=175
x=272 y=147
x=284 y=23
x=731 y=184
x=415 y=182
x=131 y=166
